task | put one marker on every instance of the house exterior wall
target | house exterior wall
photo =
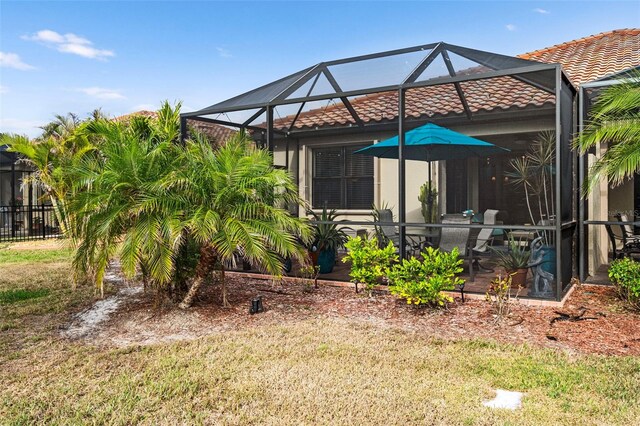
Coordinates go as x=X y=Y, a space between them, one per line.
x=621 y=199
x=386 y=170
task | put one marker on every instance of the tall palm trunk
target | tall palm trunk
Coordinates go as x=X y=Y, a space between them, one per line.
x=203 y=270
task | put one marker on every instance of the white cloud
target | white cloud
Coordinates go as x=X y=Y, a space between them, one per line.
x=510 y=27
x=224 y=53
x=13 y=125
x=12 y=60
x=102 y=93
x=70 y=43
x=541 y=11
x=144 y=107
x=3 y=89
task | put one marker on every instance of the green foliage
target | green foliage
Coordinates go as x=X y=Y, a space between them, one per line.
x=327 y=236
x=614 y=120
x=63 y=145
x=516 y=257
x=534 y=172
x=428 y=198
x=369 y=262
x=422 y=282
x=309 y=275
x=499 y=295
x=12 y=296
x=145 y=193
x=186 y=261
x=625 y=275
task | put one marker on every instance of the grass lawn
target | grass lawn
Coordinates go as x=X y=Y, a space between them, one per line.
x=304 y=372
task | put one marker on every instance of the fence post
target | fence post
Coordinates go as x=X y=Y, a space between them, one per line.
x=44 y=223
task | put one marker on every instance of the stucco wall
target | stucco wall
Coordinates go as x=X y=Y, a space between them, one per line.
x=386 y=170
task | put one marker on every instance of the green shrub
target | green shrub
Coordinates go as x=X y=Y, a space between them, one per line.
x=369 y=263
x=625 y=275
x=423 y=282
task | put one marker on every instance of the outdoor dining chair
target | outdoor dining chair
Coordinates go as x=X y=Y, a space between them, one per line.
x=627 y=230
x=485 y=239
x=628 y=247
x=388 y=233
x=452 y=237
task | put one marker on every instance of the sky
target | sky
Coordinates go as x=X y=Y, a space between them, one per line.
x=124 y=56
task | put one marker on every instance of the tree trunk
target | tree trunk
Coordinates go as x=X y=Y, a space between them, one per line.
x=203 y=269
x=225 y=302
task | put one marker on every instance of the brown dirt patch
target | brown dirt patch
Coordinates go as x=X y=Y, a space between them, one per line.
x=613 y=331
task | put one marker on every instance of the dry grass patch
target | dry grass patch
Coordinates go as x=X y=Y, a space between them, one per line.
x=315 y=372
x=36 y=294
x=304 y=371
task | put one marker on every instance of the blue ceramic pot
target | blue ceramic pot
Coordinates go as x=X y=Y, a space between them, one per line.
x=326 y=260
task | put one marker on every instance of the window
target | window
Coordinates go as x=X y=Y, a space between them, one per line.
x=342 y=179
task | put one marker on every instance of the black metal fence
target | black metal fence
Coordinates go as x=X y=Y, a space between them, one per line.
x=30 y=222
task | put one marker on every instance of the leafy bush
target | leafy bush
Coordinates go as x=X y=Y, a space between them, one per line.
x=369 y=263
x=423 y=282
x=625 y=275
x=499 y=295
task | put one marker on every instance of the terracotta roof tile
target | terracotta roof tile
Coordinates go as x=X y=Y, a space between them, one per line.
x=593 y=57
x=583 y=60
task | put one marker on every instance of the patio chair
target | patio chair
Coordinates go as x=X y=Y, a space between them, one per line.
x=627 y=247
x=627 y=230
x=457 y=237
x=485 y=238
x=388 y=233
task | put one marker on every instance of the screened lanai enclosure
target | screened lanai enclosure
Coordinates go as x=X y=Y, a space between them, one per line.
x=609 y=217
x=24 y=214
x=314 y=122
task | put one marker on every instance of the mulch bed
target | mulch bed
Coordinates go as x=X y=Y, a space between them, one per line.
x=605 y=326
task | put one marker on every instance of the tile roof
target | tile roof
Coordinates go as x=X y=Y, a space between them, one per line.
x=593 y=57
x=219 y=133
x=583 y=60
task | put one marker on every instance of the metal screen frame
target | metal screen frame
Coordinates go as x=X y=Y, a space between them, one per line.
x=547 y=77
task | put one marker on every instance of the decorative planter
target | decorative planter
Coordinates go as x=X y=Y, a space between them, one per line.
x=326 y=261
x=519 y=278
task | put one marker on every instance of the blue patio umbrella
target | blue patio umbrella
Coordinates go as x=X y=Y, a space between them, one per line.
x=431 y=142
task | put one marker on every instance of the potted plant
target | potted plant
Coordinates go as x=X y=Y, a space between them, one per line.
x=328 y=237
x=535 y=173
x=515 y=261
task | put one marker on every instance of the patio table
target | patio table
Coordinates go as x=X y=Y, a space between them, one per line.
x=522 y=237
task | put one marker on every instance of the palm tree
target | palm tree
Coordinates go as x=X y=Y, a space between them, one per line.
x=61 y=127
x=237 y=207
x=119 y=208
x=145 y=197
x=51 y=157
x=614 y=120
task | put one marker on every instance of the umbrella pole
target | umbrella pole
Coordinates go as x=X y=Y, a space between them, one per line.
x=430 y=205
